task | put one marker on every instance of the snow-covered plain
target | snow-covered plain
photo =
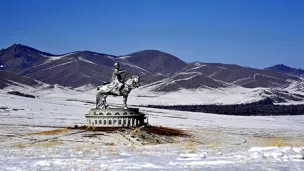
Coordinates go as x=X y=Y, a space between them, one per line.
x=218 y=142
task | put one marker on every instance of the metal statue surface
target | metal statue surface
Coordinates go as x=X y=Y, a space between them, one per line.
x=117 y=87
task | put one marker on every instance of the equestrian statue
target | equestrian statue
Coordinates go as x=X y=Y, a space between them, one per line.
x=117 y=87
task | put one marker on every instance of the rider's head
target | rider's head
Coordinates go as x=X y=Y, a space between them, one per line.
x=116 y=65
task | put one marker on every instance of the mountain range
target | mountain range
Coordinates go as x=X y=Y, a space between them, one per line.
x=162 y=71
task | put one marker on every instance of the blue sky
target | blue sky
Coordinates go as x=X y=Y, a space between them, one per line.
x=255 y=33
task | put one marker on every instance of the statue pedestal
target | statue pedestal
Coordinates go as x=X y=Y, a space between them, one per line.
x=115 y=117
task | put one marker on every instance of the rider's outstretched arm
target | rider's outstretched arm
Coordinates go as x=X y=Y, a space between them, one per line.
x=117 y=72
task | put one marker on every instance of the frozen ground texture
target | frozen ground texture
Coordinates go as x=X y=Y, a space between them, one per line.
x=218 y=142
x=165 y=157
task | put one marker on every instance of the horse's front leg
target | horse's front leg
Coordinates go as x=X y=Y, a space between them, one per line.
x=125 y=99
x=105 y=101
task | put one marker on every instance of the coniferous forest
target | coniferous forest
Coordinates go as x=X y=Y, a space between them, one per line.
x=263 y=107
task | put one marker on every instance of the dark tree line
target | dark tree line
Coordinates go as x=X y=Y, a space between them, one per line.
x=21 y=94
x=260 y=108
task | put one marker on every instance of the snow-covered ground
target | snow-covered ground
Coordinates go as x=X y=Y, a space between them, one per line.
x=165 y=157
x=218 y=142
x=232 y=95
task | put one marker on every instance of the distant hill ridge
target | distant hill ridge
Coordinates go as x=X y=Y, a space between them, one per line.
x=286 y=70
x=158 y=70
x=9 y=78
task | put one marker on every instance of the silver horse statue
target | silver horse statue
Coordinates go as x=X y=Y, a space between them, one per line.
x=103 y=92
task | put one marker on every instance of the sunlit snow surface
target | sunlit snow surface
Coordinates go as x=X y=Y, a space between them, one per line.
x=62 y=107
x=165 y=157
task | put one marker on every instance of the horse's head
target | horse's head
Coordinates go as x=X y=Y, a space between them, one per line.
x=132 y=83
x=135 y=80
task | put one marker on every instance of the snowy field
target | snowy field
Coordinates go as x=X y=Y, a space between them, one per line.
x=218 y=142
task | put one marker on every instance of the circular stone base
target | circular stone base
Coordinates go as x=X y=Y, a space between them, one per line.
x=115 y=117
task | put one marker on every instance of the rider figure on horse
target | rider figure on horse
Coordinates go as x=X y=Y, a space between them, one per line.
x=117 y=87
x=116 y=79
